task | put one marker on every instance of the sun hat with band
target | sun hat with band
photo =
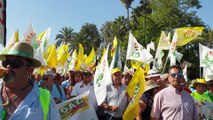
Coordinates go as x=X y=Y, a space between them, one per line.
x=150 y=84
x=21 y=49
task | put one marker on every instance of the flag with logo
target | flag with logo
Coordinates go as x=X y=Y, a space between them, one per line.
x=77 y=108
x=102 y=78
x=30 y=37
x=206 y=56
x=164 y=42
x=187 y=34
x=116 y=60
x=80 y=57
x=172 y=51
x=136 y=51
x=45 y=42
x=135 y=89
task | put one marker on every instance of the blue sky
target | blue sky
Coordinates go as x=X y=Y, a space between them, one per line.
x=73 y=13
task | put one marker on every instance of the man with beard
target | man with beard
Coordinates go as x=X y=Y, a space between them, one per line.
x=116 y=100
x=20 y=96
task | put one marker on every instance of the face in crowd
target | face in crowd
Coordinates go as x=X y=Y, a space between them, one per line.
x=175 y=77
x=18 y=68
x=116 y=78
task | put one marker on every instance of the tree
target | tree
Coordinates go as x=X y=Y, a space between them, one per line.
x=89 y=37
x=66 y=35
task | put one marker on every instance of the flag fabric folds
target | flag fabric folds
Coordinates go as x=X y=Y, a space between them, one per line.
x=102 y=78
x=135 y=90
x=206 y=56
x=187 y=34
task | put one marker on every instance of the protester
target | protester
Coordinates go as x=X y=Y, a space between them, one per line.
x=116 y=100
x=65 y=84
x=127 y=78
x=209 y=92
x=146 y=100
x=200 y=86
x=85 y=85
x=48 y=78
x=20 y=96
x=76 y=77
x=173 y=103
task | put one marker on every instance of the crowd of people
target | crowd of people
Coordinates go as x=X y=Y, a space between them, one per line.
x=24 y=93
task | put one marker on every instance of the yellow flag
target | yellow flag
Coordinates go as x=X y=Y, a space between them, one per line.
x=80 y=57
x=187 y=34
x=13 y=39
x=115 y=42
x=135 y=90
x=91 y=59
x=135 y=64
x=52 y=58
x=63 y=54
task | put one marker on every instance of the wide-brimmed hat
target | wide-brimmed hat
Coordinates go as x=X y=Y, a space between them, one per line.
x=21 y=49
x=153 y=73
x=150 y=84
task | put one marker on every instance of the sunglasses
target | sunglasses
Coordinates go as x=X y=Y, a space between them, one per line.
x=179 y=75
x=14 y=63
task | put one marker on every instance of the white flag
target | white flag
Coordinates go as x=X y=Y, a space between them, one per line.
x=164 y=42
x=206 y=56
x=135 y=51
x=178 y=56
x=102 y=78
x=151 y=45
x=208 y=73
x=185 y=73
x=30 y=37
x=172 y=50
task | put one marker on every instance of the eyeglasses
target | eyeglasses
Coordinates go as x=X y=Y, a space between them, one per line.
x=14 y=63
x=179 y=75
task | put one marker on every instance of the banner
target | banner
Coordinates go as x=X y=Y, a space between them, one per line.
x=204 y=109
x=206 y=56
x=77 y=108
x=3 y=22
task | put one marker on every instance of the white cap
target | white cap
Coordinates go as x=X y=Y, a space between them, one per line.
x=153 y=73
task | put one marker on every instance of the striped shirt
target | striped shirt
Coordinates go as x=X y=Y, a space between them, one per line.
x=116 y=97
x=171 y=105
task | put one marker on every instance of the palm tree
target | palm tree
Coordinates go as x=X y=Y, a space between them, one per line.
x=127 y=4
x=66 y=35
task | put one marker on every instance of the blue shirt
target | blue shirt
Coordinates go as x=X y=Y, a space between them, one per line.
x=56 y=94
x=65 y=84
x=30 y=108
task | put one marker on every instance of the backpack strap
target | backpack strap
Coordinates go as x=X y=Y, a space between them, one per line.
x=44 y=98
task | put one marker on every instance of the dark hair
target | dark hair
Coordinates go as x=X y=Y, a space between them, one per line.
x=73 y=76
x=174 y=66
x=210 y=83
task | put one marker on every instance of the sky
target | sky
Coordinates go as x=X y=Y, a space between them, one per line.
x=73 y=13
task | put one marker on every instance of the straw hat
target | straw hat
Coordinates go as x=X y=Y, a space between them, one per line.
x=21 y=49
x=150 y=84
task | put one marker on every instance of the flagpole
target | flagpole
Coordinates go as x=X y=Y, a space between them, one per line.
x=200 y=72
x=165 y=65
